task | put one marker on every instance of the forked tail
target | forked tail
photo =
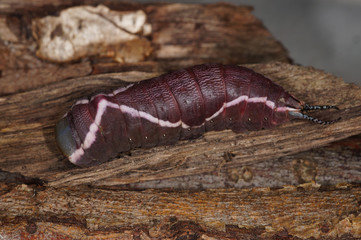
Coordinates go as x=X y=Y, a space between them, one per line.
x=299 y=113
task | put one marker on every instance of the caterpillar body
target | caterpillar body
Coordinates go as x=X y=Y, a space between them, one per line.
x=175 y=106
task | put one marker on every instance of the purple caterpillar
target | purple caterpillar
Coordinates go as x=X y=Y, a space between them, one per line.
x=179 y=105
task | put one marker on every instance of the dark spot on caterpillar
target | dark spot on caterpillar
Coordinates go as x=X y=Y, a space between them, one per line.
x=175 y=106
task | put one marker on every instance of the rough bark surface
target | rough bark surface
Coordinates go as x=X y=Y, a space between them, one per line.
x=186 y=35
x=182 y=35
x=293 y=212
x=336 y=163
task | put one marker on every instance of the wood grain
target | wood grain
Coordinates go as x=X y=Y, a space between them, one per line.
x=27 y=144
x=182 y=35
x=189 y=34
x=293 y=212
x=336 y=163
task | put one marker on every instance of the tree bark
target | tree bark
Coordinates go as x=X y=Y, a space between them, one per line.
x=293 y=212
x=336 y=163
x=182 y=35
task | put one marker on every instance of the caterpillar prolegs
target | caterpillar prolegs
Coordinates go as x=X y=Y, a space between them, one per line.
x=175 y=106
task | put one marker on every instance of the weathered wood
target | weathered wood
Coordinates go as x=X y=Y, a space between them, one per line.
x=52 y=6
x=27 y=142
x=293 y=212
x=182 y=35
x=336 y=163
x=186 y=34
x=21 y=70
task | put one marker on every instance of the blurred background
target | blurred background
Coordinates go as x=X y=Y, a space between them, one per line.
x=325 y=34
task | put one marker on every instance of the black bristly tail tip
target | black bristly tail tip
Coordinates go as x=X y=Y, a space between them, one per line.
x=306 y=108
x=315 y=120
x=310 y=107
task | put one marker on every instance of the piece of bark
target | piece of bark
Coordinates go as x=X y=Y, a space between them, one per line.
x=11 y=7
x=293 y=212
x=183 y=35
x=21 y=70
x=27 y=142
x=189 y=34
x=15 y=80
x=84 y=31
x=336 y=163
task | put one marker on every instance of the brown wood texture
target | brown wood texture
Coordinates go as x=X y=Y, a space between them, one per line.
x=186 y=35
x=293 y=212
x=182 y=35
x=10 y=7
x=20 y=69
x=336 y=163
x=27 y=144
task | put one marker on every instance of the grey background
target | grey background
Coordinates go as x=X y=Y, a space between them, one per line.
x=325 y=34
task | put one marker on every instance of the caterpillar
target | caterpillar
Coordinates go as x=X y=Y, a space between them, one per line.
x=175 y=106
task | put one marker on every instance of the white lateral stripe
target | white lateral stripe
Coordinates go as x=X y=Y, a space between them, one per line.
x=115 y=92
x=135 y=113
x=122 y=89
x=217 y=113
x=237 y=101
x=81 y=101
x=103 y=104
x=286 y=109
x=257 y=99
x=76 y=155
